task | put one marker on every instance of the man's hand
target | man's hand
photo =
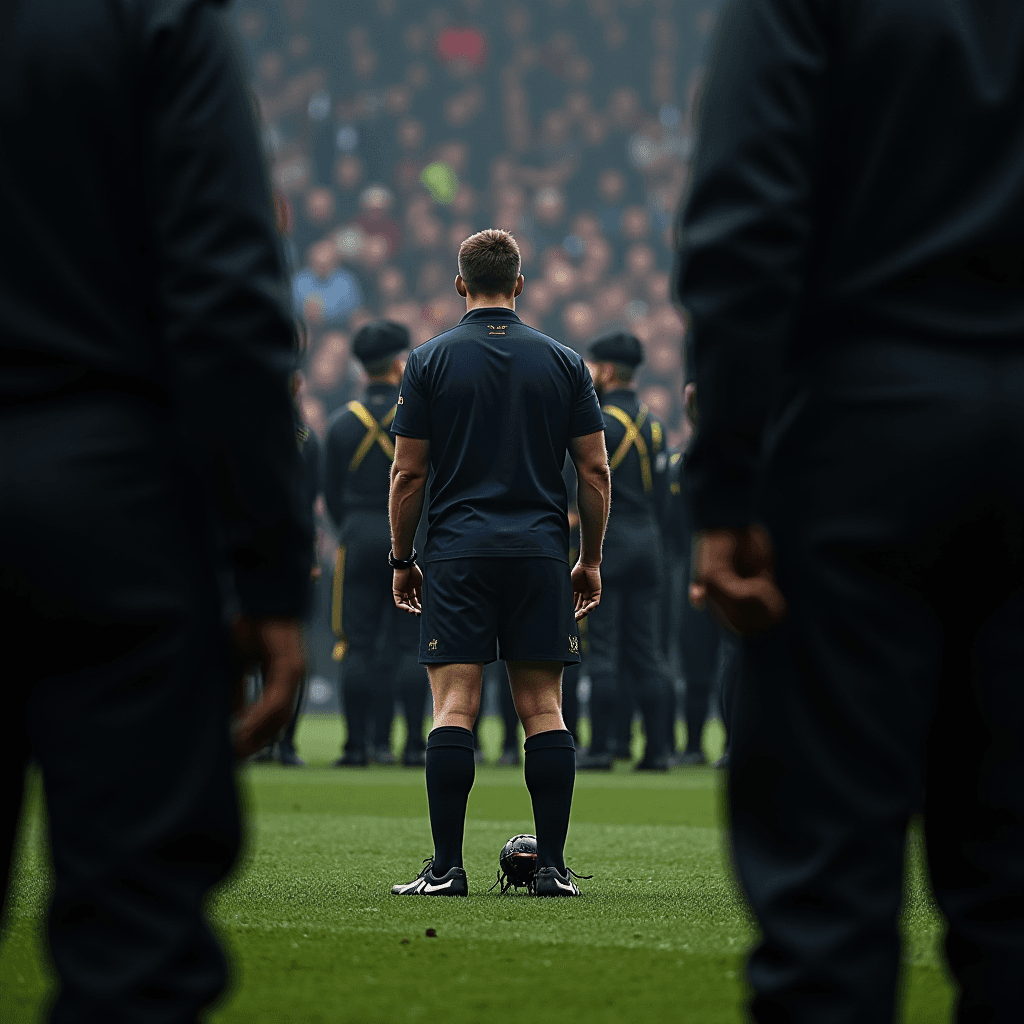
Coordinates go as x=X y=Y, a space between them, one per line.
x=276 y=646
x=407 y=588
x=586 y=588
x=733 y=574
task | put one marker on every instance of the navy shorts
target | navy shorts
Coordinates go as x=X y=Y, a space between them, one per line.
x=481 y=609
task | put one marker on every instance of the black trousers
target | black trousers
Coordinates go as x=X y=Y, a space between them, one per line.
x=895 y=500
x=625 y=648
x=700 y=649
x=728 y=680
x=382 y=641
x=110 y=610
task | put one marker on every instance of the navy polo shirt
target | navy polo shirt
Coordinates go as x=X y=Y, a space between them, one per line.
x=498 y=402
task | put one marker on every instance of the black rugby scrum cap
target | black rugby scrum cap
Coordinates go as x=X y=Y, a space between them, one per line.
x=617 y=347
x=378 y=340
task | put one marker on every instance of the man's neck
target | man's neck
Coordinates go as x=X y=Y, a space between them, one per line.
x=390 y=379
x=490 y=302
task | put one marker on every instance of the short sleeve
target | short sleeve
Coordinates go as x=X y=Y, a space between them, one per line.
x=413 y=416
x=586 y=417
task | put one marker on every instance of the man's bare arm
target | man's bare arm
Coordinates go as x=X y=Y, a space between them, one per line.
x=593 y=493
x=593 y=497
x=408 y=483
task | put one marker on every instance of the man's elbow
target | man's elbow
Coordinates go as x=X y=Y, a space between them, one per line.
x=598 y=474
x=408 y=478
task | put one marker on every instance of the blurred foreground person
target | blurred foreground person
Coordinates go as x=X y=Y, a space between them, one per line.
x=706 y=649
x=150 y=482
x=490 y=409
x=376 y=640
x=625 y=647
x=313 y=485
x=852 y=260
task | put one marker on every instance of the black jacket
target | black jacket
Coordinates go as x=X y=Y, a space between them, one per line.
x=638 y=462
x=858 y=174
x=139 y=258
x=358 y=457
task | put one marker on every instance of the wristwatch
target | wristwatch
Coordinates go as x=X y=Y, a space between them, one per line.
x=402 y=563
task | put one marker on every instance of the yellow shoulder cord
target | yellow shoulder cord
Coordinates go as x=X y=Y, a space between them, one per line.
x=376 y=433
x=632 y=438
x=338 y=592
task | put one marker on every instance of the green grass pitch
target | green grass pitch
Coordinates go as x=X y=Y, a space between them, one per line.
x=316 y=937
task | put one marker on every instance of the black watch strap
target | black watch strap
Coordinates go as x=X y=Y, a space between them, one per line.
x=402 y=563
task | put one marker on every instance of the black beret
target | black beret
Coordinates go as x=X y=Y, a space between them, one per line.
x=617 y=347
x=378 y=340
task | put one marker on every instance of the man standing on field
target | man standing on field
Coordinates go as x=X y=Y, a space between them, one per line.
x=491 y=407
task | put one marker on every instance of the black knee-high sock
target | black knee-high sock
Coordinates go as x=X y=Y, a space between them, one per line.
x=450 y=771
x=550 y=775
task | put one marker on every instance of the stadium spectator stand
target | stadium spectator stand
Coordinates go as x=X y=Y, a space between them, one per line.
x=396 y=129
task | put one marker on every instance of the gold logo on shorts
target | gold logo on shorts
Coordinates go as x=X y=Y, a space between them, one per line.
x=574 y=644
x=432 y=646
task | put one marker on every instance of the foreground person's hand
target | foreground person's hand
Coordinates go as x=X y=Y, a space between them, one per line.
x=586 y=588
x=407 y=589
x=275 y=645
x=733 y=575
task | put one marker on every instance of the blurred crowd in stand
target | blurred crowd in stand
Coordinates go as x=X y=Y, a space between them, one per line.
x=396 y=129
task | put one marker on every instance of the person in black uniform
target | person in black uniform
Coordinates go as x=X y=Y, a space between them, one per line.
x=376 y=642
x=282 y=748
x=490 y=409
x=702 y=640
x=312 y=478
x=150 y=481
x=674 y=584
x=852 y=262
x=626 y=662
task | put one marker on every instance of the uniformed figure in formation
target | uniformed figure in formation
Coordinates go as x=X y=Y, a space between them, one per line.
x=707 y=652
x=377 y=643
x=626 y=665
x=150 y=485
x=851 y=257
x=313 y=481
x=282 y=749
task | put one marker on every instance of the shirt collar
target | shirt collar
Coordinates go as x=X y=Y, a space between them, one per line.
x=622 y=395
x=491 y=313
